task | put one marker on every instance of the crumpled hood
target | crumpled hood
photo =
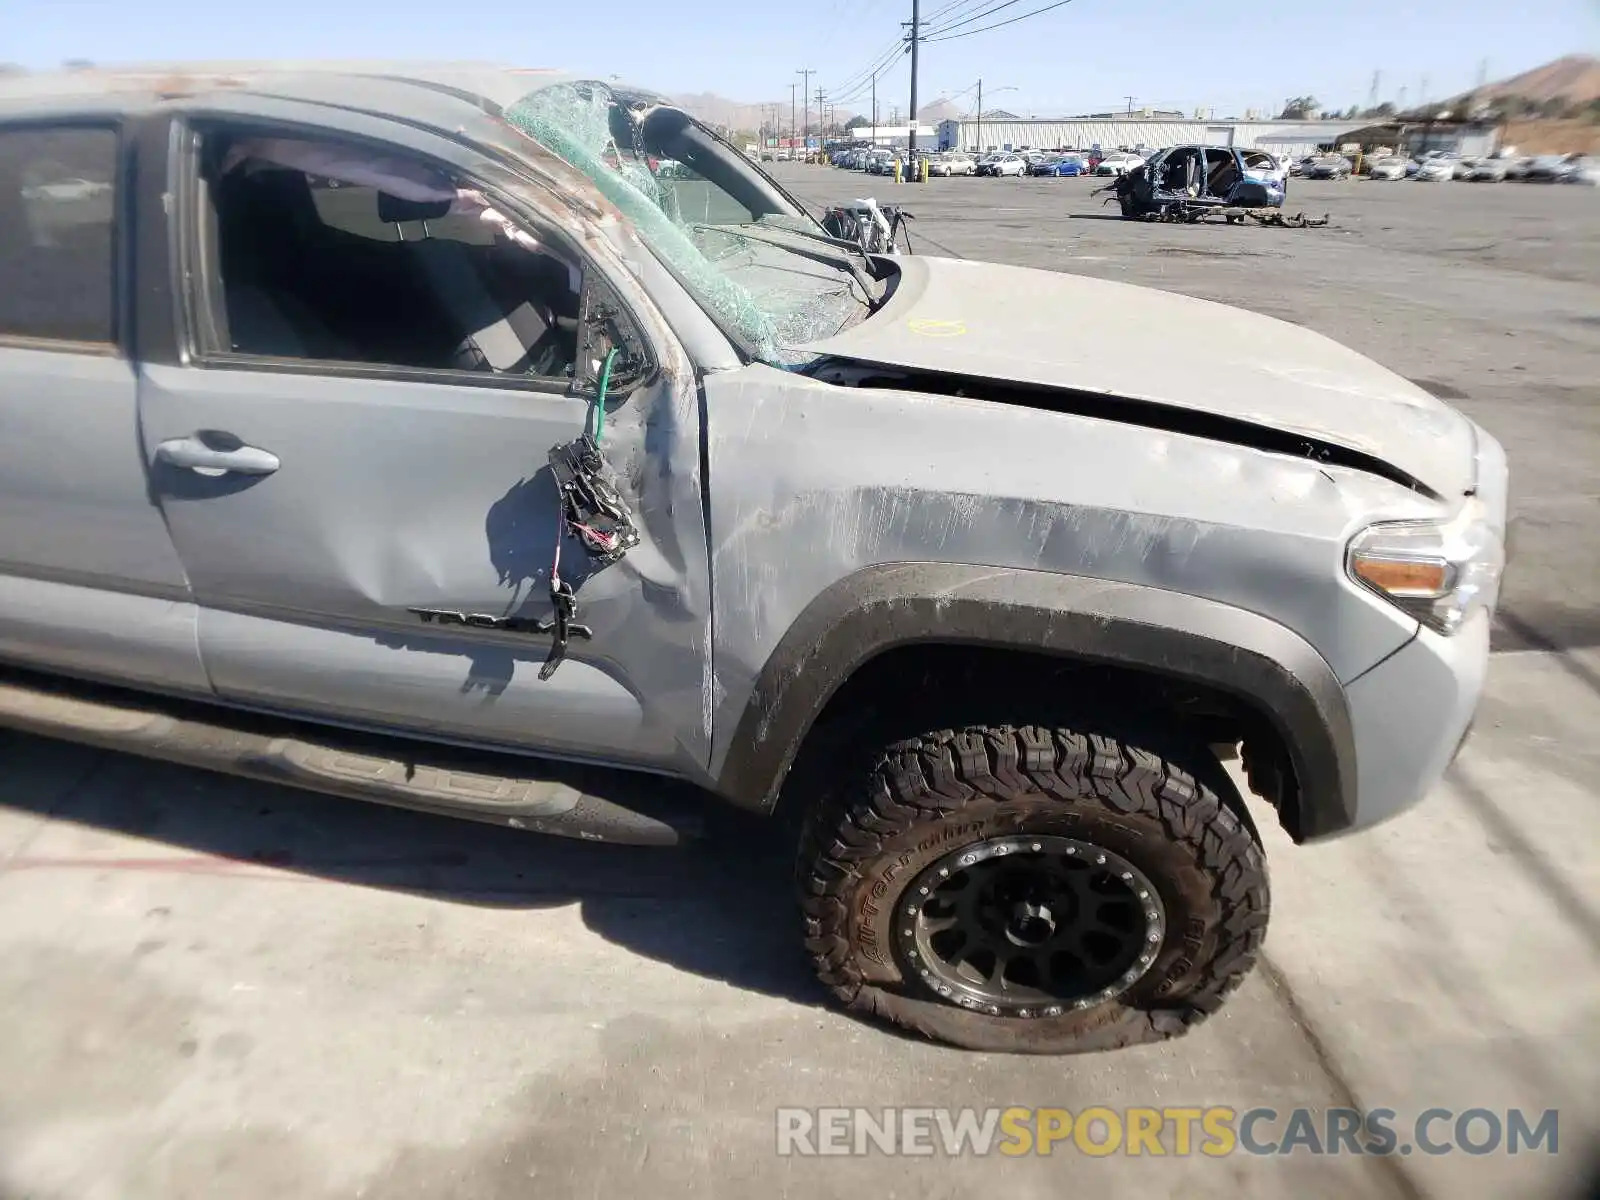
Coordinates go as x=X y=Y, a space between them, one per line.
x=1046 y=328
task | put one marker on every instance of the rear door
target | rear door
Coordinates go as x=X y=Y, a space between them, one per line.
x=89 y=581
x=1221 y=172
x=374 y=541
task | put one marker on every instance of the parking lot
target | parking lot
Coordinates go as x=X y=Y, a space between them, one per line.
x=220 y=988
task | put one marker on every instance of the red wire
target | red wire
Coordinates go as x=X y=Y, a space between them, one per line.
x=605 y=539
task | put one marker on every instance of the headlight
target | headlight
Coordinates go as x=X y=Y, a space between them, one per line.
x=1438 y=571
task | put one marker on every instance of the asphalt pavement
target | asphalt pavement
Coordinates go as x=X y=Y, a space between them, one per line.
x=216 y=988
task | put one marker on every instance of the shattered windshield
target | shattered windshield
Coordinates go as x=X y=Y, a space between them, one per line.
x=750 y=255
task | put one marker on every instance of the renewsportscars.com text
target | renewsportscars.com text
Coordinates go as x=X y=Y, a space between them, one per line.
x=1215 y=1132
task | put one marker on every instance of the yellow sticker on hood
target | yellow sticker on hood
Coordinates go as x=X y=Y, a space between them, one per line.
x=938 y=329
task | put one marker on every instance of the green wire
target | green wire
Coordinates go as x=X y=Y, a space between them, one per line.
x=600 y=400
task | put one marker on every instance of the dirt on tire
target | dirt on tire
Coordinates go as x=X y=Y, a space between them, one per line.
x=926 y=796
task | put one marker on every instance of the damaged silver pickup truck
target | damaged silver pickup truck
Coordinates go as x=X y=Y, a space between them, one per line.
x=414 y=436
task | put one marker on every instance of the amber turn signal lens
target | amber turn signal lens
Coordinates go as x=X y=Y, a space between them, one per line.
x=1400 y=577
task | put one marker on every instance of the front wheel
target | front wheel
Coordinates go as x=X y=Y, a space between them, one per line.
x=1035 y=889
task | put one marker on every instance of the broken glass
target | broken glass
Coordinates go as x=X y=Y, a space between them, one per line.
x=771 y=287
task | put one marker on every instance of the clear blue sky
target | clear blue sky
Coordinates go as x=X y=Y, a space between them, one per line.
x=1088 y=55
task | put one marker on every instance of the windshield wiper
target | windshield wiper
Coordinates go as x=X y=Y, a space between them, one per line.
x=836 y=259
x=826 y=238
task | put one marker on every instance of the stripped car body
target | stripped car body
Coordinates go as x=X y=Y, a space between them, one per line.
x=321 y=538
x=1186 y=181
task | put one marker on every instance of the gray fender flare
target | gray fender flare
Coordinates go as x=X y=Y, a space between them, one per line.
x=1262 y=663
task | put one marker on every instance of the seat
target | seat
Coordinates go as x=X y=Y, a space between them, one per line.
x=265 y=221
x=495 y=336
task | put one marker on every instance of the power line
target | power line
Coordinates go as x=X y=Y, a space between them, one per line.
x=940 y=12
x=865 y=80
x=1001 y=24
x=868 y=85
x=954 y=11
x=856 y=81
x=968 y=20
x=864 y=90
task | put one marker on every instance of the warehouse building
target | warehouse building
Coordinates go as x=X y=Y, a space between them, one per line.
x=1133 y=131
x=891 y=135
x=1464 y=138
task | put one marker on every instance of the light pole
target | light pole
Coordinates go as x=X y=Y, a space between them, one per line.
x=978 y=136
x=805 y=98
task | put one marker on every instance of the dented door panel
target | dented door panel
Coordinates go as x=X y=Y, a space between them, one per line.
x=394 y=496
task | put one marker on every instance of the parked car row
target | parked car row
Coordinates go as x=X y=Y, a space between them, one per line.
x=1003 y=164
x=1433 y=167
x=1440 y=167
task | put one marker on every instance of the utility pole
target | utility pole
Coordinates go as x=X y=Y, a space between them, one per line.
x=979 y=146
x=792 y=87
x=805 y=96
x=822 y=115
x=874 y=108
x=1130 y=103
x=916 y=39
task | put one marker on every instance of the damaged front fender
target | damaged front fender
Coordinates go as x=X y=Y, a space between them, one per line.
x=1272 y=671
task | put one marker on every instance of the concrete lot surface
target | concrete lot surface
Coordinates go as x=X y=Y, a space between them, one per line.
x=212 y=988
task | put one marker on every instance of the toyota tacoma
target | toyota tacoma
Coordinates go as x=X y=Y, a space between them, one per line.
x=506 y=444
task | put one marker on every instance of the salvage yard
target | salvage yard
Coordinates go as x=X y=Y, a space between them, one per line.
x=204 y=980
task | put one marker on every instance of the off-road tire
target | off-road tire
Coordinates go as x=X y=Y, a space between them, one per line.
x=926 y=796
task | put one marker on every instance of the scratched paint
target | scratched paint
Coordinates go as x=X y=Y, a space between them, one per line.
x=913 y=478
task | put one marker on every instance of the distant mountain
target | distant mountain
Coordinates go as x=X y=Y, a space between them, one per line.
x=1574 y=78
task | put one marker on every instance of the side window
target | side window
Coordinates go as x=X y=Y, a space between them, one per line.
x=327 y=251
x=58 y=189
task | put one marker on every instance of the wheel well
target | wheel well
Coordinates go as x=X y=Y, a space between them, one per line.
x=909 y=689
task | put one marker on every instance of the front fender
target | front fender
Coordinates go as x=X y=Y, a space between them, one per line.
x=878 y=608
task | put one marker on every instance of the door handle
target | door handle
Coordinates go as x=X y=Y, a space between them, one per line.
x=194 y=454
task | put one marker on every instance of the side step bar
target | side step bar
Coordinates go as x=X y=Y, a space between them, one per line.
x=540 y=795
